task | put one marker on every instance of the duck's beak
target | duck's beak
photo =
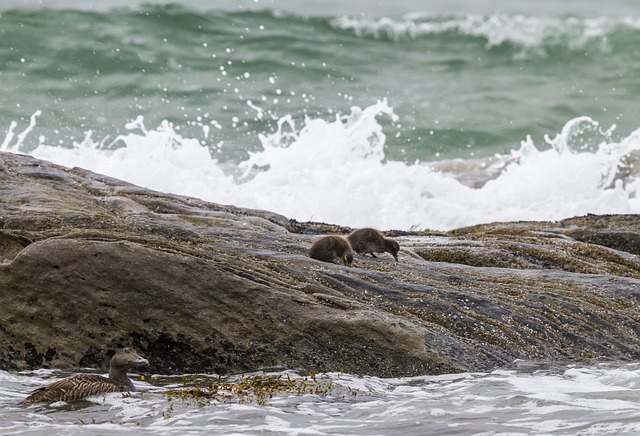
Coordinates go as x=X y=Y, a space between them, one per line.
x=141 y=361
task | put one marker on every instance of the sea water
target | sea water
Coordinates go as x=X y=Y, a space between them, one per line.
x=529 y=398
x=403 y=115
x=408 y=115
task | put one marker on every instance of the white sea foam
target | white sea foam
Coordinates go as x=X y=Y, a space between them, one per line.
x=601 y=399
x=336 y=171
x=521 y=31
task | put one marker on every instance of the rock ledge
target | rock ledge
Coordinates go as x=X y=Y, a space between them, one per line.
x=89 y=263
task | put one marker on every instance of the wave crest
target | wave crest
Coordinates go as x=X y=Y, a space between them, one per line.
x=532 y=33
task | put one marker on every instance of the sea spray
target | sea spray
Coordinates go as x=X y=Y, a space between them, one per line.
x=336 y=171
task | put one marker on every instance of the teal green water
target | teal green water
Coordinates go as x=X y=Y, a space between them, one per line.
x=466 y=79
x=463 y=84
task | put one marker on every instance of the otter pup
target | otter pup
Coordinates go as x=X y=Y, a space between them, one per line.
x=331 y=247
x=81 y=386
x=371 y=241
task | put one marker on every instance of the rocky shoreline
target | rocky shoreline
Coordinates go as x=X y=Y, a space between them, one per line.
x=89 y=263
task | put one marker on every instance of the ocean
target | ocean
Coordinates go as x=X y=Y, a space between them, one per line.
x=401 y=115
x=528 y=399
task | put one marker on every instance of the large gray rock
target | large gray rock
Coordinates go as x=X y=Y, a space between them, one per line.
x=89 y=263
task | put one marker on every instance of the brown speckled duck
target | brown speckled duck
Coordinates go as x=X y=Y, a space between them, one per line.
x=81 y=386
x=329 y=248
x=368 y=240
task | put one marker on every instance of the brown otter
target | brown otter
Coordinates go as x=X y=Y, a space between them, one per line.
x=81 y=386
x=331 y=247
x=371 y=241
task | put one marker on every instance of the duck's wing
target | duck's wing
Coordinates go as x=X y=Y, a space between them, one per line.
x=73 y=388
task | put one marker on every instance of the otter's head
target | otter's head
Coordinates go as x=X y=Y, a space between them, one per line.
x=391 y=246
x=347 y=258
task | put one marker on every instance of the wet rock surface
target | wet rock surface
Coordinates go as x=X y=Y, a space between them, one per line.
x=89 y=263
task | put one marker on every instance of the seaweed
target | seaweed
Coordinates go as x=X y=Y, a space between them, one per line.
x=255 y=389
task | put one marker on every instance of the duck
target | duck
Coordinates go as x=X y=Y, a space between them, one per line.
x=329 y=248
x=80 y=386
x=368 y=240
